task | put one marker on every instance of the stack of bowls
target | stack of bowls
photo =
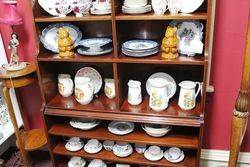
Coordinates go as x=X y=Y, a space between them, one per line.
x=156 y=130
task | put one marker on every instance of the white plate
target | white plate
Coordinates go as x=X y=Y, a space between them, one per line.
x=164 y=76
x=121 y=128
x=83 y=51
x=189 y=6
x=93 y=74
x=80 y=124
x=50 y=7
x=92 y=151
x=94 y=42
x=139 y=45
x=181 y=158
x=76 y=162
x=118 y=153
x=74 y=144
x=140 y=54
x=153 y=158
x=95 y=11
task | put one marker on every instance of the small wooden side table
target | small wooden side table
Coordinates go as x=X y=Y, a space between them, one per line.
x=28 y=140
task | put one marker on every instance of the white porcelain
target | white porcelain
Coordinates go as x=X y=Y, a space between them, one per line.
x=81 y=7
x=159 y=97
x=159 y=6
x=140 y=148
x=93 y=146
x=84 y=51
x=189 y=6
x=181 y=158
x=95 y=44
x=174 y=6
x=120 y=127
x=76 y=162
x=156 y=130
x=122 y=165
x=136 y=10
x=174 y=155
x=74 y=144
x=62 y=7
x=94 y=75
x=65 y=85
x=101 y=5
x=97 y=163
x=187 y=97
x=171 y=88
x=135 y=4
x=122 y=149
x=95 y=11
x=109 y=88
x=84 y=90
x=84 y=124
x=154 y=153
x=134 y=92
x=108 y=145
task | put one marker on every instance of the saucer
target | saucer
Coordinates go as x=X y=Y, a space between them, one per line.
x=181 y=158
x=121 y=128
x=93 y=146
x=148 y=155
x=74 y=144
x=84 y=124
x=122 y=149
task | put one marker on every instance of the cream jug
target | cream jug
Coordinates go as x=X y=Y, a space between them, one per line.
x=84 y=90
x=65 y=85
x=134 y=92
x=187 y=97
x=159 y=94
x=109 y=88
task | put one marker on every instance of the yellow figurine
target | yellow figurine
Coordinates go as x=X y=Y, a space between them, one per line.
x=170 y=43
x=65 y=43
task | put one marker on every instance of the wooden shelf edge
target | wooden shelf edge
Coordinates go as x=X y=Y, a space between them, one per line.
x=134 y=158
x=173 y=139
x=121 y=116
x=72 y=18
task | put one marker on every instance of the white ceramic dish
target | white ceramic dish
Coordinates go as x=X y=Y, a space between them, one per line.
x=83 y=51
x=140 y=148
x=74 y=144
x=97 y=163
x=189 y=6
x=84 y=124
x=174 y=155
x=164 y=76
x=81 y=7
x=154 y=153
x=95 y=11
x=156 y=132
x=139 y=45
x=122 y=149
x=93 y=74
x=135 y=4
x=93 y=146
x=140 y=54
x=95 y=44
x=139 y=10
x=108 y=145
x=76 y=162
x=121 y=128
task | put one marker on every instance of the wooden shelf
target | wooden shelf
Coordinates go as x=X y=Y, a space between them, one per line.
x=134 y=158
x=152 y=16
x=72 y=18
x=50 y=57
x=104 y=108
x=174 y=138
x=157 y=59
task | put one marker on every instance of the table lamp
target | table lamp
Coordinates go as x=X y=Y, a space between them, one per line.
x=12 y=17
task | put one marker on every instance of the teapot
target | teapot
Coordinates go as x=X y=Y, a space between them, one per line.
x=187 y=97
x=84 y=90
x=159 y=94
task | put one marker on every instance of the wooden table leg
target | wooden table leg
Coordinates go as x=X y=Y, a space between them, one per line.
x=15 y=125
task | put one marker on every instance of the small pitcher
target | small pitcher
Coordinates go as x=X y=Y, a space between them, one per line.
x=134 y=92
x=65 y=85
x=159 y=6
x=159 y=94
x=109 y=88
x=84 y=90
x=187 y=97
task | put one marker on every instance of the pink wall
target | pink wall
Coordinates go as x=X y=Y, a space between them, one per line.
x=230 y=34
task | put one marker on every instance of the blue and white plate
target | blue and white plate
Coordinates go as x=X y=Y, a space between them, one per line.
x=83 y=51
x=140 y=54
x=94 y=42
x=49 y=37
x=136 y=45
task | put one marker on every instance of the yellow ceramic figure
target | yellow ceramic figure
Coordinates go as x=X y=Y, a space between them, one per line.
x=65 y=43
x=170 y=43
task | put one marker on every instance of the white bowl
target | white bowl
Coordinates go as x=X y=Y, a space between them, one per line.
x=156 y=132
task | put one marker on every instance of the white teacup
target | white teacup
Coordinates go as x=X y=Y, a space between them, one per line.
x=174 y=6
x=84 y=90
x=122 y=146
x=140 y=148
x=109 y=88
x=108 y=145
x=155 y=150
x=93 y=144
x=174 y=153
x=159 y=6
x=65 y=85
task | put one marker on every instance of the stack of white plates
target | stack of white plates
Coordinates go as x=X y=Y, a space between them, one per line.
x=140 y=48
x=101 y=8
x=84 y=124
x=136 y=7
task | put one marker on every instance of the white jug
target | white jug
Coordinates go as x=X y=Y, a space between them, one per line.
x=84 y=90
x=159 y=6
x=187 y=97
x=65 y=85
x=134 y=92
x=159 y=94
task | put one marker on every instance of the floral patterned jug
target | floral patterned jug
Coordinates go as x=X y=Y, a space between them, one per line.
x=159 y=94
x=187 y=98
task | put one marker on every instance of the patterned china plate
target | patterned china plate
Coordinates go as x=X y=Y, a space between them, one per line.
x=50 y=6
x=140 y=45
x=140 y=54
x=83 y=51
x=49 y=36
x=84 y=124
x=121 y=128
x=164 y=76
x=94 y=42
x=181 y=158
x=93 y=74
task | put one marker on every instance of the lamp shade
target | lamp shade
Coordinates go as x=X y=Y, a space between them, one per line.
x=10 y=13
